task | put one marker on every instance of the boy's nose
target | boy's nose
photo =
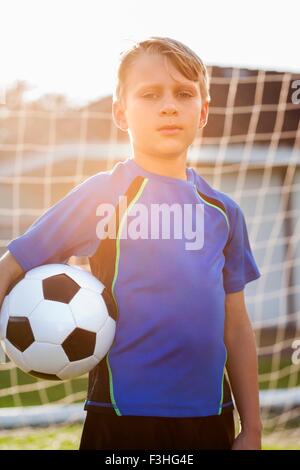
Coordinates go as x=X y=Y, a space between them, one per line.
x=168 y=108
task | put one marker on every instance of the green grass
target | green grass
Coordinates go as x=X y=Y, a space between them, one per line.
x=53 y=438
x=281 y=447
x=67 y=437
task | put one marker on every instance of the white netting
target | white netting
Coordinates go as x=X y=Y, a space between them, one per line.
x=250 y=149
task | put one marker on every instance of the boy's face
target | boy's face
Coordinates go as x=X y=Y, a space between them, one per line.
x=157 y=94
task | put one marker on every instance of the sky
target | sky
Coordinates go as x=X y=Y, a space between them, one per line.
x=72 y=46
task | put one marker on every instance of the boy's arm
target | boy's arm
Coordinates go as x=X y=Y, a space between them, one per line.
x=10 y=271
x=242 y=370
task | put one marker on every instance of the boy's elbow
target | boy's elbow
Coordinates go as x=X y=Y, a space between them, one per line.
x=10 y=269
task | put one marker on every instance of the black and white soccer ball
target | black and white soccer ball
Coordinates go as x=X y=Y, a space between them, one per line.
x=55 y=324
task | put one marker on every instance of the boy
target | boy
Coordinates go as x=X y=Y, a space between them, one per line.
x=179 y=305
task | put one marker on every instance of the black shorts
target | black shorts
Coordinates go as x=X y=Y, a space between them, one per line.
x=113 y=432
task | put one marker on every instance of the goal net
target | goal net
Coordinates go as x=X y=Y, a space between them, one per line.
x=249 y=149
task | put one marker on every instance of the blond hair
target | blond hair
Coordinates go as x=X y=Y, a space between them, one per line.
x=181 y=56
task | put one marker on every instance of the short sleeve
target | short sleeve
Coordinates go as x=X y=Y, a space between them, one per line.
x=240 y=266
x=67 y=229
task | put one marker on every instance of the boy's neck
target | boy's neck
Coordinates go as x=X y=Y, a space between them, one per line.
x=173 y=167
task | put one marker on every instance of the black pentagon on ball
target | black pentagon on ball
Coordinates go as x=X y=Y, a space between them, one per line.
x=60 y=288
x=19 y=333
x=40 y=375
x=79 y=344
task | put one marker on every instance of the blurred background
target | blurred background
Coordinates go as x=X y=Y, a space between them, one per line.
x=57 y=72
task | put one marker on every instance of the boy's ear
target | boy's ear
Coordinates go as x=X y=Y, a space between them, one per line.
x=118 y=115
x=204 y=115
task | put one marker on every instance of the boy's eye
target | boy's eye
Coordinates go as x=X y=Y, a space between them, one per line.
x=185 y=94
x=147 y=95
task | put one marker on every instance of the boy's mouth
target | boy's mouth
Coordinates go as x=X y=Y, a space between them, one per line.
x=169 y=129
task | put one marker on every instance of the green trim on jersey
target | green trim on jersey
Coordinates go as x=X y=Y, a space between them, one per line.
x=215 y=206
x=111 y=389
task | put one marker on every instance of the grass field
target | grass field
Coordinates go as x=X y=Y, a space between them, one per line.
x=68 y=438
x=50 y=438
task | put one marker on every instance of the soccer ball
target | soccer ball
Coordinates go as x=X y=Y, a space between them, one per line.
x=54 y=323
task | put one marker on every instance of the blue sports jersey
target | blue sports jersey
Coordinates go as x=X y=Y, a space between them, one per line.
x=168 y=357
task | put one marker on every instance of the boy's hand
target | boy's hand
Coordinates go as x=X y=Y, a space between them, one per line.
x=247 y=441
